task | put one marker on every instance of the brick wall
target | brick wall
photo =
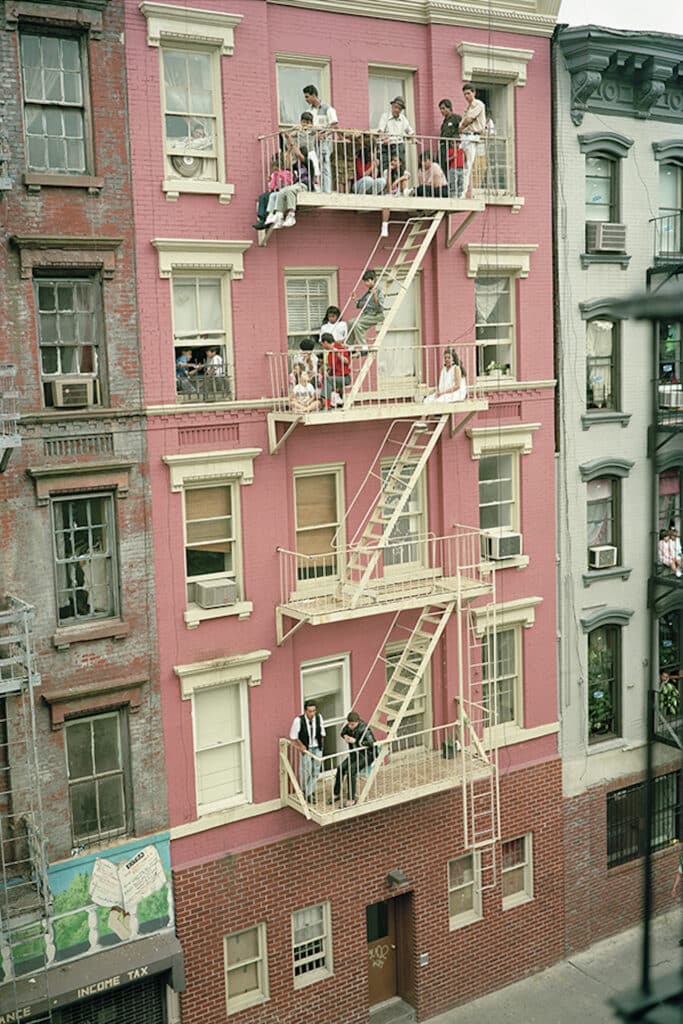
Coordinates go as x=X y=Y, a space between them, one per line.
x=601 y=901
x=348 y=864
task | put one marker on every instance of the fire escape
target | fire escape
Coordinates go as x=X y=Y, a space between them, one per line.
x=25 y=903
x=9 y=414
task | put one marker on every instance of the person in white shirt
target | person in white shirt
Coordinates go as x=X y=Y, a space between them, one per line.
x=324 y=117
x=452 y=384
x=214 y=363
x=308 y=735
x=333 y=325
x=472 y=127
x=394 y=127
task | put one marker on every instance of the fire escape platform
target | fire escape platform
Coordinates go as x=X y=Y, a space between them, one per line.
x=402 y=203
x=410 y=774
x=382 y=596
x=382 y=409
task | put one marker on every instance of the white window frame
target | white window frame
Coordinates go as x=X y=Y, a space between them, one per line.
x=313 y=665
x=226 y=344
x=328 y=274
x=318 y=973
x=526 y=893
x=511 y=341
x=207 y=469
x=422 y=515
x=174 y=182
x=324 y=583
x=262 y=993
x=304 y=62
x=202 y=30
x=245 y=796
x=391 y=362
x=407 y=74
x=456 y=921
x=421 y=704
x=236 y=532
x=514 y=506
x=496 y=727
x=244 y=670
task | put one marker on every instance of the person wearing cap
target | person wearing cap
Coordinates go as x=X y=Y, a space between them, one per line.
x=394 y=127
x=472 y=127
x=371 y=309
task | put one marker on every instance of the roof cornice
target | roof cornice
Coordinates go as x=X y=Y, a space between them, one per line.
x=523 y=17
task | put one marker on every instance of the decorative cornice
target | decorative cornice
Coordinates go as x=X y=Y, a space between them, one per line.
x=603 y=308
x=80 y=476
x=513 y=259
x=207 y=466
x=671 y=460
x=601 y=419
x=612 y=143
x=87 y=14
x=220 y=671
x=200 y=254
x=626 y=72
x=606 y=617
x=67 y=251
x=190 y=24
x=488 y=440
x=668 y=149
x=609 y=466
x=502 y=62
x=532 y=18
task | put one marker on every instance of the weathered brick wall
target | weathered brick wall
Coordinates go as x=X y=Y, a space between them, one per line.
x=112 y=433
x=348 y=864
x=601 y=901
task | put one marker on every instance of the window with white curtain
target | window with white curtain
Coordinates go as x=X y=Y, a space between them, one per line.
x=399 y=357
x=221 y=741
x=191 y=112
x=601 y=365
x=293 y=73
x=55 y=88
x=602 y=519
x=501 y=697
x=308 y=293
x=670 y=208
x=203 y=357
x=311 y=944
x=494 y=325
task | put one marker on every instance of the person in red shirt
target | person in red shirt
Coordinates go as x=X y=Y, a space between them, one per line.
x=338 y=367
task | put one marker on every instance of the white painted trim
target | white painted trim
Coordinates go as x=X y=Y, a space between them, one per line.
x=199 y=254
x=190 y=24
x=507 y=258
x=506 y=614
x=175 y=187
x=501 y=62
x=221 y=672
x=493 y=440
x=205 y=466
x=225 y=817
x=193 y=614
x=509 y=735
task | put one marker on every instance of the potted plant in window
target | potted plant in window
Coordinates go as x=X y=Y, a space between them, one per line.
x=600 y=704
x=669 y=698
x=495 y=369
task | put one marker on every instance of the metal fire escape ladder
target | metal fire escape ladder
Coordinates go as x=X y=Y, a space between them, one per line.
x=405 y=679
x=412 y=452
x=394 y=280
x=10 y=437
x=480 y=791
x=25 y=902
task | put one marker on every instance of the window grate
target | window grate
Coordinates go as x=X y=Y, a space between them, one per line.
x=626 y=823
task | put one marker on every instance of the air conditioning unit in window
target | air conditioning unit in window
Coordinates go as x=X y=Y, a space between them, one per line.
x=73 y=392
x=498 y=545
x=216 y=594
x=601 y=236
x=602 y=556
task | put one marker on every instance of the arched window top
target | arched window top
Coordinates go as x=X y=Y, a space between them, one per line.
x=672 y=460
x=600 y=309
x=611 y=466
x=610 y=144
x=606 y=617
x=668 y=149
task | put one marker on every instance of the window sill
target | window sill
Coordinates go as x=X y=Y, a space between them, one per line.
x=310 y=979
x=518 y=900
x=463 y=921
x=594 y=419
x=193 y=614
x=514 y=202
x=621 y=258
x=116 y=629
x=605 y=746
x=516 y=562
x=593 y=575
x=35 y=181
x=174 y=187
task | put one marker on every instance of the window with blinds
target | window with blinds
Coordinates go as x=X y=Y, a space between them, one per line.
x=317 y=521
x=209 y=533
x=307 y=297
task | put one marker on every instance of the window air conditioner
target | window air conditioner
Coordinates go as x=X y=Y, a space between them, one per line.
x=602 y=556
x=216 y=594
x=601 y=236
x=499 y=545
x=73 y=392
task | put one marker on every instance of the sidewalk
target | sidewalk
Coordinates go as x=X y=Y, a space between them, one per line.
x=577 y=989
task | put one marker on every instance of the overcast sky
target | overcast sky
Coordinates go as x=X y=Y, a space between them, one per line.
x=656 y=15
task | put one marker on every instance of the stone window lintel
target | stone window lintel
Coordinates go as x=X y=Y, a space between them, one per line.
x=220 y=671
x=492 y=440
x=496 y=259
x=78 y=478
x=188 y=254
x=490 y=62
x=93 y=697
x=171 y=22
x=68 y=251
x=86 y=15
x=204 y=467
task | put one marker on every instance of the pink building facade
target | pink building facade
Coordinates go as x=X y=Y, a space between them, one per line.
x=387 y=555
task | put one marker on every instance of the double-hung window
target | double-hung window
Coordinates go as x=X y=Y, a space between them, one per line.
x=601 y=188
x=69 y=326
x=602 y=518
x=222 y=750
x=669 y=236
x=604 y=683
x=464 y=890
x=54 y=80
x=293 y=74
x=518 y=873
x=406 y=543
x=494 y=325
x=84 y=544
x=308 y=293
x=190 y=90
x=246 y=968
x=311 y=944
x=211 y=539
x=327 y=681
x=601 y=365
x=97 y=769
x=417 y=715
x=500 y=677
x=498 y=505
x=318 y=505
x=203 y=358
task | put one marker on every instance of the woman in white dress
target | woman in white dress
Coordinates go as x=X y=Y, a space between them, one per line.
x=452 y=383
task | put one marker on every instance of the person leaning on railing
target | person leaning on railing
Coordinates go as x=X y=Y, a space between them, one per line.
x=394 y=127
x=472 y=127
x=306 y=169
x=451 y=158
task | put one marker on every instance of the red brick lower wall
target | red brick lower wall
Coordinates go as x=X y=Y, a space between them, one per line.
x=347 y=864
x=602 y=902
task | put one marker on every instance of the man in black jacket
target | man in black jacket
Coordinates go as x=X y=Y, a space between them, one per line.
x=361 y=743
